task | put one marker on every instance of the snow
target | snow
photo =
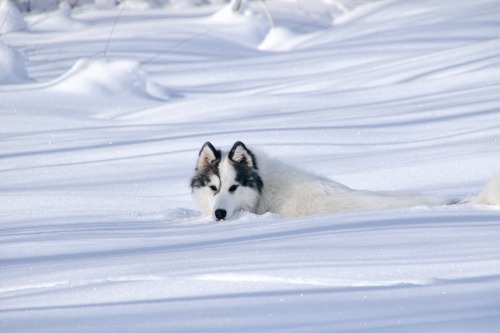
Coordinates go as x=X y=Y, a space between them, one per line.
x=13 y=67
x=280 y=39
x=57 y=20
x=107 y=79
x=101 y=123
x=11 y=19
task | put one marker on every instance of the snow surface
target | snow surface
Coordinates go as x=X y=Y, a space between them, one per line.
x=12 y=67
x=11 y=19
x=98 y=231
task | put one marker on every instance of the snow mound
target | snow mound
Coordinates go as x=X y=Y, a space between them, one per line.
x=60 y=20
x=245 y=15
x=12 y=66
x=179 y=4
x=11 y=19
x=244 y=216
x=281 y=39
x=105 y=4
x=139 y=4
x=247 y=27
x=102 y=77
x=228 y=15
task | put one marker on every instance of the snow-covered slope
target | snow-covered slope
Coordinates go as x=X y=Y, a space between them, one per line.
x=102 y=114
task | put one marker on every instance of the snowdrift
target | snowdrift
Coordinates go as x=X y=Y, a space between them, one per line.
x=92 y=88
x=11 y=20
x=281 y=39
x=59 y=20
x=12 y=66
x=124 y=79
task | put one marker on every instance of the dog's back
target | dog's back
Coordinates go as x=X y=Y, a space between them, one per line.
x=289 y=191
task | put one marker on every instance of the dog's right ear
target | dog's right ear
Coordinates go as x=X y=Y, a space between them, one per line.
x=208 y=155
x=242 y=155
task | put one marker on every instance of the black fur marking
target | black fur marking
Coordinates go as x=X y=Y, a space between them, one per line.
x=248 y=177
x=202 y=177
x=252 y=161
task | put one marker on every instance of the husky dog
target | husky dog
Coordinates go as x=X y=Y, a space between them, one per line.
x=240 y=180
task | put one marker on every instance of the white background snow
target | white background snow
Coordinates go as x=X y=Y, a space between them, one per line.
x=103 y=112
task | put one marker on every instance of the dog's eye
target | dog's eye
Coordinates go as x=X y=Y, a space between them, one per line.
x=233 y=188
x=213 y=188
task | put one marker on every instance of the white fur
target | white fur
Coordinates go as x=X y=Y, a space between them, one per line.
x=291 y=192
x=490 y=194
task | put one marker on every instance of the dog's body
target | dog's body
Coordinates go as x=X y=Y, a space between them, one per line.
x=241 y=180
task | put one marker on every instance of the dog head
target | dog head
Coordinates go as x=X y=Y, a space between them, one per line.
x=225 y=183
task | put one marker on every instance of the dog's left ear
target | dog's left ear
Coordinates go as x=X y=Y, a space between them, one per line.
x=242 y=155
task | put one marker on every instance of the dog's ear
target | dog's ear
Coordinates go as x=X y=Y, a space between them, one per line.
x=242 y=155
x=208 y=155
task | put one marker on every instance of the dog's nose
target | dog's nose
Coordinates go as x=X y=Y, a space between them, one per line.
x=220 y=214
